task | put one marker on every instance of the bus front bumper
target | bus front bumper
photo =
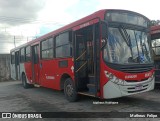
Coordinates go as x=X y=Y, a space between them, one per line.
x=113 y=90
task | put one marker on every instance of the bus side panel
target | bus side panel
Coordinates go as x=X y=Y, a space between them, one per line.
x=13 y=72
x=18 y=72
x=69 y=69
x=22 y=70
x=28 y=70
x=50 y=72
x=103 y=79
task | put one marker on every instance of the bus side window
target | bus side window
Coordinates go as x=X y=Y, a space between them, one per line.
x=47 y=51
x=27 y=54
x=63 y=45
x=22 y=55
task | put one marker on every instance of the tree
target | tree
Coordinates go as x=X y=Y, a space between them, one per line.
x=155 y=22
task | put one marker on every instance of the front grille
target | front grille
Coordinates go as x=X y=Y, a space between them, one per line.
x=134 y=68
x=136 y=90
x=130 y=88
x=136 y=80
x=137 y=86
x=145 y=85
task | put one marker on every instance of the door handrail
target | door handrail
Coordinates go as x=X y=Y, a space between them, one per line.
x=81 y=55
x=81 y=66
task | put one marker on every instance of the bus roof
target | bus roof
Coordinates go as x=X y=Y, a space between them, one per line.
x=99 y=14
x=155 y=29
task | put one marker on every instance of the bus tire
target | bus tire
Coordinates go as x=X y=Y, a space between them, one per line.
x=24 y=82
x=70 y=90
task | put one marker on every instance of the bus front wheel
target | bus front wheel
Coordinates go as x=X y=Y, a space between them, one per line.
x=70 y=90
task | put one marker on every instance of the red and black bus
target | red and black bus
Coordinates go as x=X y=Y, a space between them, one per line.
x=155 y=39
x=106 y=55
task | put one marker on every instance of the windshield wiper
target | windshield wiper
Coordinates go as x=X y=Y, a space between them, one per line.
x=125 y=35
x=145 y=51
x=143 y=48
x=126 y=38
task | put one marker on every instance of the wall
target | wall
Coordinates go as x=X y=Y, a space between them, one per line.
x=5 y=67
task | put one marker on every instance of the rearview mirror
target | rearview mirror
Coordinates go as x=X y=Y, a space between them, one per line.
x=104 y=33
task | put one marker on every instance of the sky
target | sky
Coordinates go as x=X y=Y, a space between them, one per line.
x=24 y=20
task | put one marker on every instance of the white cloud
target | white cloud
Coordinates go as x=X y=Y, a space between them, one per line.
x=54 y=14
x=24 y=30
x=18 y=12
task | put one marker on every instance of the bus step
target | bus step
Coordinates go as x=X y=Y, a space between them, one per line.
x=87 y=94
x=91 y=88
x=36 y=85
x=91 y=79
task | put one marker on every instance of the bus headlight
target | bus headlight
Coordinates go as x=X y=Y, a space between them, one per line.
x=113 y=78
x=109 y=75
x=152 y=76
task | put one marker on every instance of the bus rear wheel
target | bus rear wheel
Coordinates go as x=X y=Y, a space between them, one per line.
x=24 y=82
x=70 y=90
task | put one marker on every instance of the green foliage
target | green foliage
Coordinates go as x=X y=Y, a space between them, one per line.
x=155 y=22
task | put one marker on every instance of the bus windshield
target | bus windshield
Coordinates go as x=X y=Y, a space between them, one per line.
x=127 y=46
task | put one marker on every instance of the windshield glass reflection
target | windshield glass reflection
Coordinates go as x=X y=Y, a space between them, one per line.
x=127 y=46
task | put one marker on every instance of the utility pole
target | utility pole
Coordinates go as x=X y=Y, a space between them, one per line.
x=14 y=41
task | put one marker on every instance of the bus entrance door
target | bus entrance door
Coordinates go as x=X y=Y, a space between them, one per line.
x=17 y=66
x=35 y=64
x=86 y=60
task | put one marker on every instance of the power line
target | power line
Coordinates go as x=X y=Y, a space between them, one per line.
x=26 y=20
x=16 y=40
x=18 y=37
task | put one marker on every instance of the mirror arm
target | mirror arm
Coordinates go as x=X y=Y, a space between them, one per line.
x=105 y=42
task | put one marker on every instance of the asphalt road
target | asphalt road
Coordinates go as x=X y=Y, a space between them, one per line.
x=14 y=98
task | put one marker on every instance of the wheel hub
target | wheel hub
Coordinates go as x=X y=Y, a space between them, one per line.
x=69 y=90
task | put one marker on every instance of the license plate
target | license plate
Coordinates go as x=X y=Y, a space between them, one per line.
x=138 y=87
